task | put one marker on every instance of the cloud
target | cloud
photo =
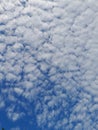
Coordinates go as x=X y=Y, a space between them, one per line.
x=48 y=62
x=16 y=128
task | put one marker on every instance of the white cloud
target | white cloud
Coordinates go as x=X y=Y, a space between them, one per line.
x=14 y=115
x=48 y=54
x=16 y=128
x=2 y=103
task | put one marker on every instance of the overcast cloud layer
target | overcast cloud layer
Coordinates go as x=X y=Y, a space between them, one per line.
x=49 y=63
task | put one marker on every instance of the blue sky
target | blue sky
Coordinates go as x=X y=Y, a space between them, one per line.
x=21 y=123
x=49 y=64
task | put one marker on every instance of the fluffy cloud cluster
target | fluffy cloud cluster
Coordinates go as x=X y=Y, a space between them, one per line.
x=48 y=58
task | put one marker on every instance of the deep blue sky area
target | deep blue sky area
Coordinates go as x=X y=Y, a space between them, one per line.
x=23 y=123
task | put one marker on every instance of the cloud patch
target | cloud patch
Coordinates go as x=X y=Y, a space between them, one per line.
x=48 y=62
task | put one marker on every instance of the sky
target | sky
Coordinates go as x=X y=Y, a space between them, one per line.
x=49 y=64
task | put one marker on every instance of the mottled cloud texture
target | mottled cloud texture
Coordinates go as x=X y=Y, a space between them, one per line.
x=48 y=62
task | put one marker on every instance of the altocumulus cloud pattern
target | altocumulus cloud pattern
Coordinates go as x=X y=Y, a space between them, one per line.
x=49 y=64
